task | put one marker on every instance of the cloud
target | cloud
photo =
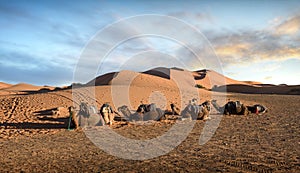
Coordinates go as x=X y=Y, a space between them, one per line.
x=192 y=16
x=290 y=26
x=249 y=46
x=46 y=74
x=270 y=67
x=13 y=12
x=268 y=78
x=235 y=49
x=19 y=66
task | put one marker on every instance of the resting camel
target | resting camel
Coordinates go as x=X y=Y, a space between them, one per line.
x=175 y=109
x=107 y=113
x=143 y=113
x=86 y=116
x=194 y=111
x=257 y=109
x=231 y=107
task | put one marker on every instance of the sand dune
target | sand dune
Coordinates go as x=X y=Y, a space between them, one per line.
x=206 y=78
x=22 y=88
x=172 y=77
x=209 y=78
x=4 y=85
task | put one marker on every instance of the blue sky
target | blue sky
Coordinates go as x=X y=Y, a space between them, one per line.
x=41 y=41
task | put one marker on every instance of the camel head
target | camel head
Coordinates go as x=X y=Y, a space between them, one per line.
x=193 y=101
x=71 y=108
x=216 y=106
x=207 y=105
x=213 y=101
x=124 y=110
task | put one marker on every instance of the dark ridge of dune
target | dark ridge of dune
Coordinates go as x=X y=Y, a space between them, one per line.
x=176 y=68
x=103 y=79
x=162 y=72
x=265 y=89
x=202 y=71
x=266 y=85
x=252 y=82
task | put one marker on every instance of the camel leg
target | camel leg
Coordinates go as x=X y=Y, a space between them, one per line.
x=205 y=114
x=106 y=117
x=75 y=120
x=245 y=110
x=111 y=117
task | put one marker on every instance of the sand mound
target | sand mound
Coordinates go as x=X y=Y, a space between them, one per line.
x=4 y=85
x=23 y=87
x=209 y=78
x=131 y=78
x=165 y=77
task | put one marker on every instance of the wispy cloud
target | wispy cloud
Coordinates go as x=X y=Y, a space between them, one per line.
x=185 y=15
x=289 y=26
x=18 y=67
x=268 y=78
x=270 y=67
x=244 y=47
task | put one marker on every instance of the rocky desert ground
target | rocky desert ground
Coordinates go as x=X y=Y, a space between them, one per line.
x=34 y=138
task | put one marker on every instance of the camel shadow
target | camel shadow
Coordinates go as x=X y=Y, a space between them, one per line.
x=33 y=125
x=45 y=112
x=50 y=122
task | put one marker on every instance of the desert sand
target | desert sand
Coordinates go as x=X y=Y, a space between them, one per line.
x=33 y=139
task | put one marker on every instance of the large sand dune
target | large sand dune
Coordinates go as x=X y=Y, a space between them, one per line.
x=206 y=78
x=209 y=79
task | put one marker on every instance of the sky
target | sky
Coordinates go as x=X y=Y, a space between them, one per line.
x=42 y=42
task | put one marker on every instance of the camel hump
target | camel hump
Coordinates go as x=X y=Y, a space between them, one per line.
x=83 y=108
x=93 y=109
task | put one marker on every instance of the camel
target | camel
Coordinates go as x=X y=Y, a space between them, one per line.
x=73 y=117
x=86 y=116
x=128 y=115
x=257 y=109
x=231 y=107
x=194 y=111
x=175 y=109
x=107 y=113
x=143 y=113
